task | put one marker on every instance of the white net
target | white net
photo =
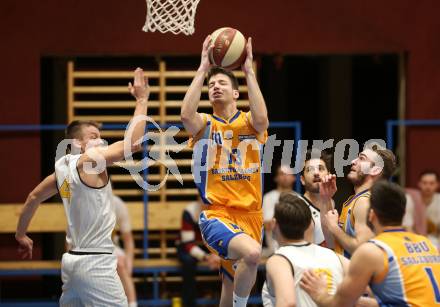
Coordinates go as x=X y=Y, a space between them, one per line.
x=175 y=16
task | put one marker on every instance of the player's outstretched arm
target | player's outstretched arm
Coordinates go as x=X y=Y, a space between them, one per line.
x=141 y=92
x=192 y=121
x=115 y=152
x=259 y=119
x=280 y=275
x=46 y=189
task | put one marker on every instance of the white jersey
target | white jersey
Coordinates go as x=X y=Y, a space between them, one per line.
x=271 y=198
x=89 y=211
x=303 y=256
x=318 y=235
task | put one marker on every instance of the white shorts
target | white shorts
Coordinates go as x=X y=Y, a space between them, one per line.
x=91 y=280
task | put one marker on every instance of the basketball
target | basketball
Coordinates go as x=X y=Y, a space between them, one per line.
x=229 y=49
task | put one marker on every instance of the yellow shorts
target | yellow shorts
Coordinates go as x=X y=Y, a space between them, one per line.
x=219 y=225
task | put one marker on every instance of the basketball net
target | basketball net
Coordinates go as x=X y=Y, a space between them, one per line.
x=175 y=16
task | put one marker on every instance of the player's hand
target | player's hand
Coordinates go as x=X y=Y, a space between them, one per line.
x=314 y=285
x=140 y=89
x=205 y=64
x=25 y=245
x=213 y=261
x=247 y=66
x=331 y=219
x=327 y=187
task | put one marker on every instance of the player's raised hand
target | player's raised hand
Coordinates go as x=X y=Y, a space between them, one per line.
x=205 y=64
x=248 y=63
x=327 y=187
x=140 y=88
x=25 y=245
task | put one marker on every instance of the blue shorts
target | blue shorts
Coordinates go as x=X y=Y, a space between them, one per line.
x=219 y=227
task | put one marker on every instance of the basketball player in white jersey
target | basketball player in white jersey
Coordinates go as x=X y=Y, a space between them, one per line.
x=88 y=270
x=293 y=229
x=317 y=165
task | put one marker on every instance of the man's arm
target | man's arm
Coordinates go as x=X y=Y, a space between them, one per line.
x=280 y=275
x=127 y=239
x=115 y=152
x=191 y=119
x=46 y=189
x=329 y=239
x=366 y=261
x=259 y=119
x=327 y=189
x=362 y=301
x=363 y=232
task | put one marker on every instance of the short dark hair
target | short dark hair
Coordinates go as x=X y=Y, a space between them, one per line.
x=318 y=154
x=389 y=161
x=429 y=172
x=73 y=130
x=388 y=202
x=215 y=70
x=293 y=216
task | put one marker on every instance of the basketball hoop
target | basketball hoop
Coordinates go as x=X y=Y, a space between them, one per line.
x=175 y=16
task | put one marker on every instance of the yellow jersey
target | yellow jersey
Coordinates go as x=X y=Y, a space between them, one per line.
x=227 y=162
x=347 y=220
x=412 y=270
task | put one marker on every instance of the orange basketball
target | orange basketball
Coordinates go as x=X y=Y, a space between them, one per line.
x=229 y=49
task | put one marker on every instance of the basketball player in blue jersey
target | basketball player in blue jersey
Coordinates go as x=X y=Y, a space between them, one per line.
x=350 y=229
x=88 y=269
x=402 y=268
x=293 y=227
x=231 y=222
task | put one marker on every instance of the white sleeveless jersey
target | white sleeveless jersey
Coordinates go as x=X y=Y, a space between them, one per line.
x=318 y=235
x=89 y=211
x=304 y=256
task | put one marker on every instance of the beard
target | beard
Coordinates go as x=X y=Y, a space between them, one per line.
x=312 y=187
x=357 y=178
